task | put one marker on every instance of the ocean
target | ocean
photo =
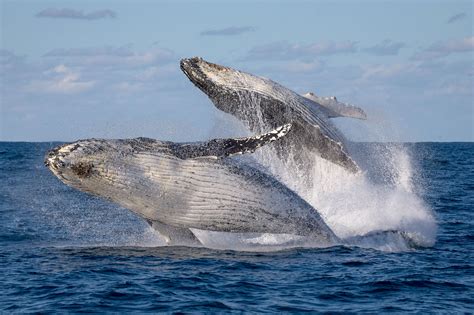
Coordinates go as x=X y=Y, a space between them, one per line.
x=64 y=251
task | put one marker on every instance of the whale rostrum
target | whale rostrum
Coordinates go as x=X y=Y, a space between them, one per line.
x=181 y=186
x=263 y=104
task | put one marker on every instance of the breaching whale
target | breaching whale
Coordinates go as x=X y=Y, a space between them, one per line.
x=181 y=186
x=263 y=104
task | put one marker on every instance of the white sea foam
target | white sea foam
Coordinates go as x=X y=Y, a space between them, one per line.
x=380 y=198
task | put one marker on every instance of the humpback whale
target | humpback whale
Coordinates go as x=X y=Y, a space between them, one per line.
x=263 y=104
x=177 y=187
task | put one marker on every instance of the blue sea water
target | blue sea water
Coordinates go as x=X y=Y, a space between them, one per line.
x=65 y=251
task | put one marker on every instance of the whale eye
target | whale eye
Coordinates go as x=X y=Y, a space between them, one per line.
x=82 y=169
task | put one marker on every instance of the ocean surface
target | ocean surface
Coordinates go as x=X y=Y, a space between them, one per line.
x=64 y=251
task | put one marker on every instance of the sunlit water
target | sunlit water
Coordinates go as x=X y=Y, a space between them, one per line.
x=62 y=250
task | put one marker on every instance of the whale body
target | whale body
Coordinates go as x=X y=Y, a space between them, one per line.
x=181 y=186
x=263 y=104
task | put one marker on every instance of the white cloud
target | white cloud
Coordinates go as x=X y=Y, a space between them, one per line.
x=112 y=56
x=461 y=88
x=387 y=71
x=62 y=80
x=229 y=31
x=66 y=13
x=121 y=51
x=302 y=66
x=445 y=48
x=457 y=45
x=83 y=70
x=8 y=59
x=385 y=48
x=285 y=50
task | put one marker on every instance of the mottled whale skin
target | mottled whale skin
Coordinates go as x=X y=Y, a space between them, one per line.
x=263 y=104
x=181 y=186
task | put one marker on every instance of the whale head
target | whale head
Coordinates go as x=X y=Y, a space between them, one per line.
x=209 y=77
x=76 y=164
x=223 y=85
x=103 y=168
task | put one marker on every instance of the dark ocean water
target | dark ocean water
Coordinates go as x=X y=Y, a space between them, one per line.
x=64 y=251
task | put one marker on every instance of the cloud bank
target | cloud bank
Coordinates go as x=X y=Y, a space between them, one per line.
x=385 y=48
x=121 y=51
x=60 y=79
x=66 y=13
x=445 y=48
x=285 y=51
x=121 y=56
x=229 y=31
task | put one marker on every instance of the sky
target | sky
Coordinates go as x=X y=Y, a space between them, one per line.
x=110 y=69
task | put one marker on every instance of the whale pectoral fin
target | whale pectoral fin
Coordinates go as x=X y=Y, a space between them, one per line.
x=333 y=108
x=250 y=144
x=175 y=236
x=221 y=148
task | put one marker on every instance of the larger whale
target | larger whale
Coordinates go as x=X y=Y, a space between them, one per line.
x=262 y=104
x=177 y=187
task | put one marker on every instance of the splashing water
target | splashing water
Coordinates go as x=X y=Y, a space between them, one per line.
x=380 y=198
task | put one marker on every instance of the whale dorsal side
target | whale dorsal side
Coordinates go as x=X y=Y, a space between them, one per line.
x=333 y=108
x=222 y=148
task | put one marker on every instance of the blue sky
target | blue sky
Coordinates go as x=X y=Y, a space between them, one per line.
x=79 y=69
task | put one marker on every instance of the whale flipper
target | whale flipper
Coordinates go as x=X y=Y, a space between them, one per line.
x=333 y=108
x=221 y=148
x=175 y=236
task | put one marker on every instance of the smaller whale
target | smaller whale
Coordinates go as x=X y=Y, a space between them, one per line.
x=263 y=104
x=177 y=187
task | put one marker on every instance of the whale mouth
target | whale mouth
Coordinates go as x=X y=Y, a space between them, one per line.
x=194 y=72
x=203 y=74
x=66 y=167
x=54 y=160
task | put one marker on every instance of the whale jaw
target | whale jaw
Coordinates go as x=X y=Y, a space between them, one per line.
x=214 y=80
x=191 y=69
x=62 y=164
